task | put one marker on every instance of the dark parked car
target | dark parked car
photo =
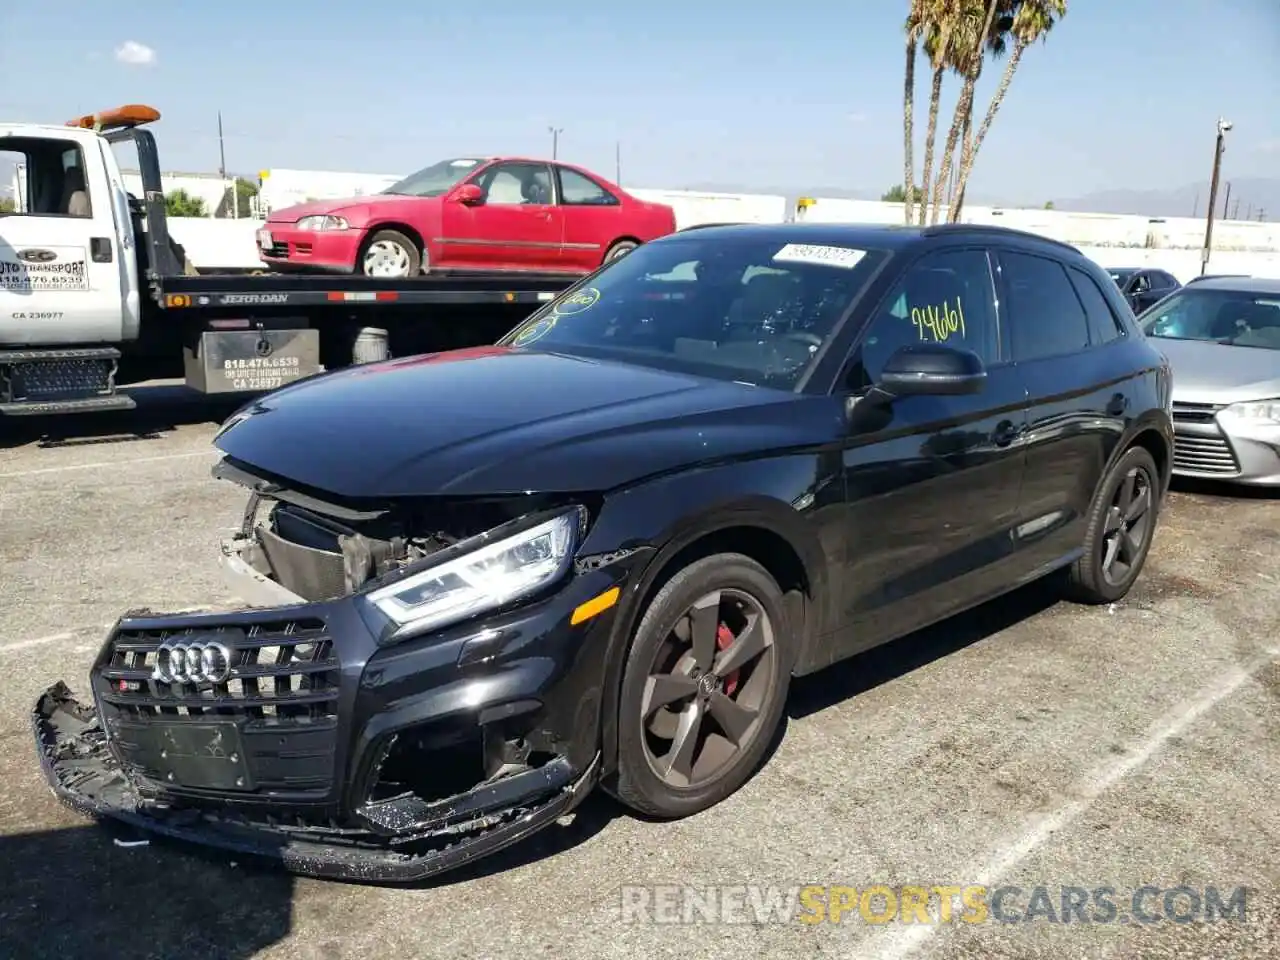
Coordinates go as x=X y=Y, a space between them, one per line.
x=597 y=552
x=1142 y=286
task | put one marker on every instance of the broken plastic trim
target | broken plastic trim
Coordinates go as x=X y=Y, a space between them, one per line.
x=411 y=814
x=83 y=774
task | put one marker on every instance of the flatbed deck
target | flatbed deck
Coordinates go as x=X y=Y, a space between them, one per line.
x=300 y=290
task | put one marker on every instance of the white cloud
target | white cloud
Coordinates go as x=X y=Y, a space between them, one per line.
x=1270 y=146
x=135 y=54
x=857 y=118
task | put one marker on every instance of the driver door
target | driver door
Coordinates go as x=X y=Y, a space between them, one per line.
x=932 y=482
x=517 y=224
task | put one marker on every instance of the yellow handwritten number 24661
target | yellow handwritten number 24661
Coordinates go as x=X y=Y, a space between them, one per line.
x=939 y=323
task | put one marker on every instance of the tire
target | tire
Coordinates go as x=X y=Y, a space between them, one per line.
x=393 y=250
x=619 y=250
x=758 y=689
x=1088 y=579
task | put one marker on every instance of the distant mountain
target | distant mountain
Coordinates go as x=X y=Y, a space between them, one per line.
x=1249 y=196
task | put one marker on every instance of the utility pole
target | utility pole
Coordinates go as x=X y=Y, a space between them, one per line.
x=1226 y=201
x=234 y=212
x=222 y=153
x=1223 y=127
x=555 y=141
x=1235 y=212
x=1195 y=205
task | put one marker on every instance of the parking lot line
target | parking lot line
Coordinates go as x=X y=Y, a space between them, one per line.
x=97 y=464
x=904 y=941
x=37 y=642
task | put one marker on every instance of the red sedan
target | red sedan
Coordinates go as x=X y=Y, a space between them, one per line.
x=496 y=214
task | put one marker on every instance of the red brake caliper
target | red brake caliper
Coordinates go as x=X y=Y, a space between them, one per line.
x=724 y=639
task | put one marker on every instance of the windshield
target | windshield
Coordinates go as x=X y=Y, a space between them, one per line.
x=744 y=309
x=1235 y=317
x=435 y=180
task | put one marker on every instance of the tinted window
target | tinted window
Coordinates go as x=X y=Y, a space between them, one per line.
x=1236 y=317
x=507 y=184
x=753 y=310
x=1044 y=314
x=1166 y=281
x=577 y=190
x=942 y=298
x=1104 y=326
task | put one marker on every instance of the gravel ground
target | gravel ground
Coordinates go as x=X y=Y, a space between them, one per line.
x=1026 y=745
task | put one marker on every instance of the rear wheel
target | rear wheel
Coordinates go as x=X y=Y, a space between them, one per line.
x=703 y=689
x=620 y=250
x=1122 y=523
x=389 y=253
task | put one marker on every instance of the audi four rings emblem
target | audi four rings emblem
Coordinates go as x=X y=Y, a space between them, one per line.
x=192 y=661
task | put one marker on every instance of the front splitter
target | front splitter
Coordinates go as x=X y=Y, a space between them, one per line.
x=84 y=775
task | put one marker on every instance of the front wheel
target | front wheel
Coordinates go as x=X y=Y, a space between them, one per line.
x=1122 y=524
x=703 y=688
x=389 y=253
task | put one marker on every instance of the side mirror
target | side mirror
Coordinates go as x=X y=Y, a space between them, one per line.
x=469 y=194
x=931 y=369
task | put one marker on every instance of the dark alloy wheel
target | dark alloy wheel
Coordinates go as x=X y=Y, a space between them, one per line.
x=1122 y=523
x=1124 y=532
x=704 y=687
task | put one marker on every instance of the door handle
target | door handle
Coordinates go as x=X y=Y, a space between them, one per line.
x=1005 y=433
x=1118 y=405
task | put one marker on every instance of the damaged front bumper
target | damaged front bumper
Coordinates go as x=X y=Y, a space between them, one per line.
x=326 y=752
x=84 y=775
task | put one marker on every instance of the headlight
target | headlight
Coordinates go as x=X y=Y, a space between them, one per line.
x=1257 y=411
x=325 y=221
x=483 y=578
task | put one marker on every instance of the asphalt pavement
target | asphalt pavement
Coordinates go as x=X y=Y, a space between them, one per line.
x=1025 y=765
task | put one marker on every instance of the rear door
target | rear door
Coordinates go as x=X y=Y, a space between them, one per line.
x=516 y=226
x=932 y=487
x=593 y=219
x=60 y=278
x=1070 y=346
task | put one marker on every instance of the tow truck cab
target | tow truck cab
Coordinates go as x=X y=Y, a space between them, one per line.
x=68 y=261
x=94 y=290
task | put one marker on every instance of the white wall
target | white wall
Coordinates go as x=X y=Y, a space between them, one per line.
x=1172 y=244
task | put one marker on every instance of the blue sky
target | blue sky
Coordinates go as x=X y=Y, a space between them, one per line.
x=798 y=94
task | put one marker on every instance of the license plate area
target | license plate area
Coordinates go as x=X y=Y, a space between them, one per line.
x=201 y=755
x=265 y=240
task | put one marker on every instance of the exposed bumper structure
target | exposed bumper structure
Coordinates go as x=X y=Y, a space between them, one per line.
x=83 y=773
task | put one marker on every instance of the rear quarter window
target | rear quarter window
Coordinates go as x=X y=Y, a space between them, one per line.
x=1104 y=323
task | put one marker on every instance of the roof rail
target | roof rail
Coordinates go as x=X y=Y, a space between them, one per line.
x=1218 y=276
x=703 y=226
x=941 y=229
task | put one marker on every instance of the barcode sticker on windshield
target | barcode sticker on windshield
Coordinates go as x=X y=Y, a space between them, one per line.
x=843 y=257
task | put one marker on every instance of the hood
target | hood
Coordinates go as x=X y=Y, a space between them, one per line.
x=340 y=205
x=1217 y=373
x=495 y=421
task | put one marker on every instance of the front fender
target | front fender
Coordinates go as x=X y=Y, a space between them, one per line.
x=797 y=498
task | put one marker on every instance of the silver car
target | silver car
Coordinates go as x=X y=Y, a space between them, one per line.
x=1222 y=338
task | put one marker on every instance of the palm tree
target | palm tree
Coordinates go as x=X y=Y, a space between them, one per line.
x=914 y=28
x=972 y=34
x=937 y=22
x=1031 y=21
